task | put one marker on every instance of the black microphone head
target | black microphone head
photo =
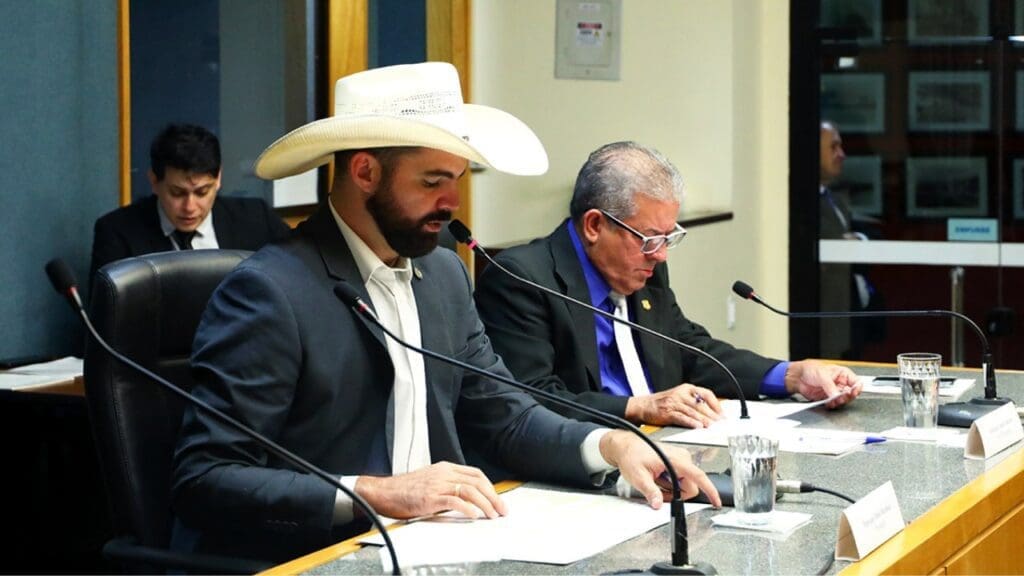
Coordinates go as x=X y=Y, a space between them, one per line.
x=742 y=289
x=459 y=231
x=61 y=276
x=347 y=293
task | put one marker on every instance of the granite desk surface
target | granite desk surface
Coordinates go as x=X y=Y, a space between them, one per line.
x=922 y=475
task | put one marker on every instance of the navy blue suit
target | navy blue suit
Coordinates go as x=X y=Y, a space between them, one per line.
x=278 y=350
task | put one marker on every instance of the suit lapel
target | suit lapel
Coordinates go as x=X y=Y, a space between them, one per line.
x=648 y=313
x=151 y=234
x=338 y=261
x=435 y=335
x=569 y=273
x=223 y=225
x=340 y=266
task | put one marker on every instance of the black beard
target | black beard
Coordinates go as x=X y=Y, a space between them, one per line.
x=404 y=235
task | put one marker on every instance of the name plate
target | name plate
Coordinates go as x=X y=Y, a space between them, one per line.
x=869 y=522
x=993 y=433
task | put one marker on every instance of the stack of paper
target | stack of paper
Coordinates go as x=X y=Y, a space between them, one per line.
x=948 y=388
x=64 y=370
x=549 y=526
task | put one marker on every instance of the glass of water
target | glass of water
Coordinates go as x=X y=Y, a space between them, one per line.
x=753 y=476
x=919 y=380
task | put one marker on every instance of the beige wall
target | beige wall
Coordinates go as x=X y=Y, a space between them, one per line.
x=705 y=82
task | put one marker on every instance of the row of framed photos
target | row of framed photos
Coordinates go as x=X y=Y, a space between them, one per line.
x=929 y=22
x=937 y=101
x=936 y=187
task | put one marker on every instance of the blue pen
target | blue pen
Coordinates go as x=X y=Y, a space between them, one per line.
x=874 y=439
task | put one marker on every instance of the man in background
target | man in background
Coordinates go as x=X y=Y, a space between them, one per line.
x=611 y=254
x=842 y=286
x=184 y=212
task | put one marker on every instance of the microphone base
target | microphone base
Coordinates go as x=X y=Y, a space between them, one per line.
x=963 y=414
x=997 y=401
x=669 y=568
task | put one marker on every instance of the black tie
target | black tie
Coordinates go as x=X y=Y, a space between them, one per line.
x=183 y=239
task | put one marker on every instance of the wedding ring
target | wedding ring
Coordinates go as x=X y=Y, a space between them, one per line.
x=458 y=490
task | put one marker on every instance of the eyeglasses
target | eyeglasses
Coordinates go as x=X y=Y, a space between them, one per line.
x=651 y=244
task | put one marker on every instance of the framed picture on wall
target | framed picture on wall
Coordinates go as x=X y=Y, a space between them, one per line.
x=856 y=102
x=1018 y=188
x=862 y=181
x=949 y=101
x=939 y=187
x=863 y=17
x=947 y=21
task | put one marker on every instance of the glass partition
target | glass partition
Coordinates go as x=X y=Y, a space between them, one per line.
x=920 y=162
x=245 y=69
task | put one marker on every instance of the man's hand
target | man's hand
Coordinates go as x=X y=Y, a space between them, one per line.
x=642 y=468
x=685 y=405
x=816 y=380
x=436 y=488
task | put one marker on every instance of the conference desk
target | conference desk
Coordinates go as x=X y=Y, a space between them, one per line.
x=962 y=514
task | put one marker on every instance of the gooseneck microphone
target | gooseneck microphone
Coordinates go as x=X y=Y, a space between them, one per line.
x=461 y=233
x=63 y=280
x=952 y=414
x=680 y=550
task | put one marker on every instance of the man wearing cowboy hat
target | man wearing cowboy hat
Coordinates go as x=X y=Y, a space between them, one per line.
x=611 y=254
x=279 y=351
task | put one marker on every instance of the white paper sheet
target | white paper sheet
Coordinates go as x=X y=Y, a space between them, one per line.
x=42 y=374
x=762 y=410
x=718 y=433
x=824 y=441
x=545 y=526
x=791 y=436
x=940 y=436
x=780 y=521
x=885 y=385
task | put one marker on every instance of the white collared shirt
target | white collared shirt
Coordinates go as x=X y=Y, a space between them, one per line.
x=390 y=291
x=205 y=238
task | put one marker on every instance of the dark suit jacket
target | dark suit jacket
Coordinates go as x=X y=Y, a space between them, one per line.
x=278 y=350
x=134 y=230
x=551 y=344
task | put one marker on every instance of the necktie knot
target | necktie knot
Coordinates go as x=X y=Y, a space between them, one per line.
x=183 y=239
x=617 y=301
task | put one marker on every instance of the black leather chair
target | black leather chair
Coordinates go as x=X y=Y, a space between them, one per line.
x=148 y=308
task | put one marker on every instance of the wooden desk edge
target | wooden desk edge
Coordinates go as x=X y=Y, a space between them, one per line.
x=346 y=547
x=959 y=518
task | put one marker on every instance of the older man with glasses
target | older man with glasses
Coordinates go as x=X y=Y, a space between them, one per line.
x=611 y=254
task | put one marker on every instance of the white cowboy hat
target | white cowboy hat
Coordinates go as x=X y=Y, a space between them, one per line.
x=407 y=105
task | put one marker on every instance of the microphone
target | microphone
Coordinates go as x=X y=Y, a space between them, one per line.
x=680 y=553
x=960 y=414
x=63 y=280
x=461 y=233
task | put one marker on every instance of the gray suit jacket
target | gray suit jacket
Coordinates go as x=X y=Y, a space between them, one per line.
x=278 y=350
x=551 y=344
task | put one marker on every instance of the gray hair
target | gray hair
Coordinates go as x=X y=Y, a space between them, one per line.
x=615 y=173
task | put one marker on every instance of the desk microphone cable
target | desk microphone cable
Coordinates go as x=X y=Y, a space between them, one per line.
x=798 y=487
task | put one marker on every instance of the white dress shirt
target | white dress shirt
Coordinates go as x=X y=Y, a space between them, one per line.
x=205 y=238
